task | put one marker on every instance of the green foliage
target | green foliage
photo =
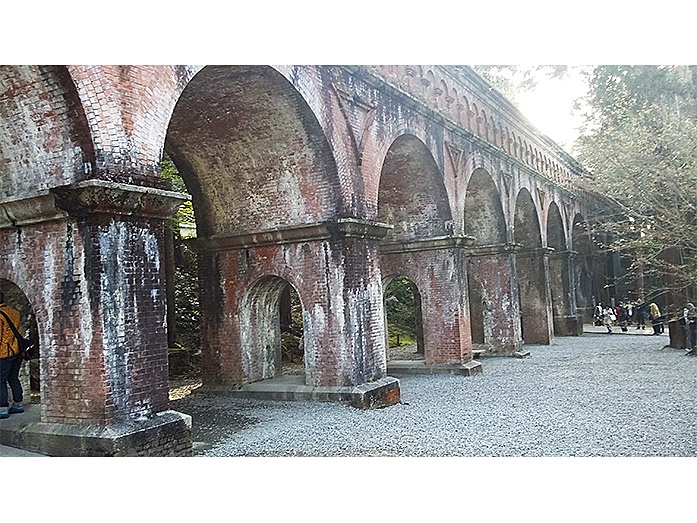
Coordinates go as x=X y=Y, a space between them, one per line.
x=400 y=310
x=640 y=141
x=291 y=333
x=186 y=288
x=184 y=220
x=186 y=292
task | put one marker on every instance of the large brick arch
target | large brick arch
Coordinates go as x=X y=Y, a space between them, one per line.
x=412 y=195
x=556 y=236
x=44 y=137
x=531 y=272
x=526 y=223
x=484 y=216
x=251 y=152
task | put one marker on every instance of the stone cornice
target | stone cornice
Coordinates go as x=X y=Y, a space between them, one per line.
x=335 y=230
x=490 y=250
x=562 y=254
x=30 y=210
x=89 y=197
x=533 y=252
x=427 y=244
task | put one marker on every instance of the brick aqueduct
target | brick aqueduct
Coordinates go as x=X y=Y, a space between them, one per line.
x=331 y=179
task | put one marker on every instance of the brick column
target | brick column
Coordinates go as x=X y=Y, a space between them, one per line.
x=532 y=272
x=438 y=269
x=566 y=321
x=492 y=271
x=95 y=249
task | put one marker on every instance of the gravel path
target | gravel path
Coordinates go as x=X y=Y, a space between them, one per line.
x=597 y=395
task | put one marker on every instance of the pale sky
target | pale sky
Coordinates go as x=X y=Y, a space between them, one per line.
x=549 y=106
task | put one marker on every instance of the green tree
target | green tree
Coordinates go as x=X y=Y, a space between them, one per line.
x=640 y=142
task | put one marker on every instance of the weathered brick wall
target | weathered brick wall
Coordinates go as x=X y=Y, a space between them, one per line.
x=412 y=195
x=127 y=109
x=339 y=286
x=46 y=261
x=126 y=283
x=532 y=273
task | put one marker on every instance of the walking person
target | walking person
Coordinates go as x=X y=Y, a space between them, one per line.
x=598 y=315
x=622 y=318
x=640 y=311
x=10 y=361
x=690 y=315
x=608 y=318
x=656 y=319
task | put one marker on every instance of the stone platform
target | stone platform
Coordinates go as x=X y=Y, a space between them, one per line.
x=374 y=395
x=419 y=367
x=167 y=433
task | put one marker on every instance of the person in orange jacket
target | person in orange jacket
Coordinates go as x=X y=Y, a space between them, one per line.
x=10 y=361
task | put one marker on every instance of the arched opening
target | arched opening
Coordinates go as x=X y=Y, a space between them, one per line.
x=485 y=222
x=292 y=333
x=251 y=152
x=403 y=320
x=484 y=219
x=411 y=195
x=530 y=272
x=271 y=330
x=30 y=372
x=253 y=156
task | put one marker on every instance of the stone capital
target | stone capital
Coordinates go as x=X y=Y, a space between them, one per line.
x=105 y=197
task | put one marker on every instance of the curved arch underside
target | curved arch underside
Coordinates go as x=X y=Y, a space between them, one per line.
x=44 y=137
x=526 y=227
x=251 y=152
x=484 y=218
x=555 y=229
x=411 y=195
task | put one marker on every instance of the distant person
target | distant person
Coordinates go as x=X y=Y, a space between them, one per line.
x=656 y=319
x=690 y=315
x=10 y=361
x=608 y=318
x=622 y=316
x=598 y=315
x=640 y=311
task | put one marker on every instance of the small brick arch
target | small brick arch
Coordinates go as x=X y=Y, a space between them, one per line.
x=260 y=328
x=418 y=310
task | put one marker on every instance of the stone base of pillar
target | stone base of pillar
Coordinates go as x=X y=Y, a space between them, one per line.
x=167 y=433
x=419 y=367
x=568 y=326
x=374 y=395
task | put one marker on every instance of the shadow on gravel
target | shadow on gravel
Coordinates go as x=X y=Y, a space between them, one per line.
x=211 y=419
